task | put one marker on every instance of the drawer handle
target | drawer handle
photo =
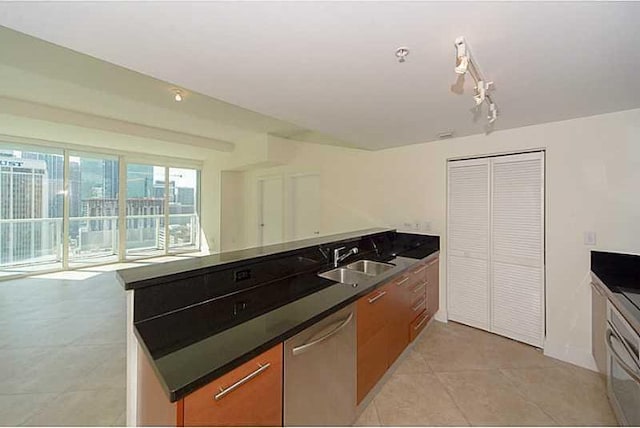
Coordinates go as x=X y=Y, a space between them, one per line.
x=416 y=307
x=373 y=299
x=224 y=391
x=419 y=288
x=342 y=324
x=420 y=270
x=421 y=322
x=403 y=281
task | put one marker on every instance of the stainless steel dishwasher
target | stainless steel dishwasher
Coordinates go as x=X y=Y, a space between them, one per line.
x=320 y=372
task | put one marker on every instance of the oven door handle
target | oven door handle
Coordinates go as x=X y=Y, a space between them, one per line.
x=632 y=373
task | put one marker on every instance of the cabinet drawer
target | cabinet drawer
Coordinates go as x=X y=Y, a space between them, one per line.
x=419 y=272
x=418 y=324
x=249 y=395
x=373 y=312
x=418 y=305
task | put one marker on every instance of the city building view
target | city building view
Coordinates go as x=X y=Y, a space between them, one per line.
x=161 y=216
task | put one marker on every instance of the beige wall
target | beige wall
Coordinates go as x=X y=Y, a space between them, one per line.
x=593 y=172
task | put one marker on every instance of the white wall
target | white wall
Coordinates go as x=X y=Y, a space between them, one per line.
x=593 y=172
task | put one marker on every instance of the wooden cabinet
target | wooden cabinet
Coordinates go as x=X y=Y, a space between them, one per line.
x=373 y=330
x=390 y=317
x=249 y=395
x=433 y=287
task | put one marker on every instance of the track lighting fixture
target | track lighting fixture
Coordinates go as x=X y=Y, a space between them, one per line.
x=462 y=58
x=464 y=65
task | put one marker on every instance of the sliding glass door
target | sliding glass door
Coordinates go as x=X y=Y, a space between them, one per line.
x=161 y=210
x=93 y=209
x=31 y=210
x=63 y=209
x=184 y=224
x=145 y=210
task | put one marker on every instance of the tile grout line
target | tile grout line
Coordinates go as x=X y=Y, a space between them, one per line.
x=453 y=400
x=524 y=397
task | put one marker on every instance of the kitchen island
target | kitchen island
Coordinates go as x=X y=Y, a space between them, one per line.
x=193 y=322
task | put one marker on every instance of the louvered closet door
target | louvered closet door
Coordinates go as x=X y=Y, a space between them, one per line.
x=517 y=247
x=468 y=242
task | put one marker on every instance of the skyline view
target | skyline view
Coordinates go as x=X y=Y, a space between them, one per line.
x=32 y=195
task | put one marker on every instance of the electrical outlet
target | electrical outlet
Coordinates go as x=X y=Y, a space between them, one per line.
x=589 y=238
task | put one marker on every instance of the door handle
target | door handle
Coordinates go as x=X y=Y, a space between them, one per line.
x=632 y=373
x=302 y=348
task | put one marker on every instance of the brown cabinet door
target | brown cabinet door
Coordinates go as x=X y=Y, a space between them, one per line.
x=373 y=338
x=253 y=397
x=399 y=301
x=433 y=287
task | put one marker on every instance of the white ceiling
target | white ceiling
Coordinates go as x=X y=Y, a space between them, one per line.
x=330 y=66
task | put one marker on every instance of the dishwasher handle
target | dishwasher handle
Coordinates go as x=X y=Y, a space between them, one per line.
x=630 y=372
x=303 y=348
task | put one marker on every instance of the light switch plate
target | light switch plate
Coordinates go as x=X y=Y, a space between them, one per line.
x=590 y=238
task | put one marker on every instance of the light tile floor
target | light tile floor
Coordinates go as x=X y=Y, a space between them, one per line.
x=62 y=362
x=457 y=375
x=62 y=350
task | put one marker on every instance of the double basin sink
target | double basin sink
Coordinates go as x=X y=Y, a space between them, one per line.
x=356 y=272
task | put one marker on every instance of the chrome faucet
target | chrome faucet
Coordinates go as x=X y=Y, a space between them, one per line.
x=337 y=258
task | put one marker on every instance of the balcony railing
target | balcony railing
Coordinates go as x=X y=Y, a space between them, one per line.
x=36 y=241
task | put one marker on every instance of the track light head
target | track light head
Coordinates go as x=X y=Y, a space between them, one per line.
x=462 y=65
x=493 y=113
x=462 y=57
x=481 y=93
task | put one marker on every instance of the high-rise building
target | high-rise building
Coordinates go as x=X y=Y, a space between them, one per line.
x=55 y=180
x=23 y=196
x=139 y=181
x=111 y=179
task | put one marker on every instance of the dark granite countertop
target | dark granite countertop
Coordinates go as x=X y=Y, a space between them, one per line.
x=183 y=368
x=618 y=276
x=146 y=276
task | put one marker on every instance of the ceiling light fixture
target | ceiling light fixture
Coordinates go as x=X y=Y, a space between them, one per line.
x=177 y=95
x=401 y=54
x=465 y=64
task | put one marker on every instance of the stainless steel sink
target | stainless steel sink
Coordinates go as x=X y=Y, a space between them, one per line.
x=369 y=267
x=345 y=276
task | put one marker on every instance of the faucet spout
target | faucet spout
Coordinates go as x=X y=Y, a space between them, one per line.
x=337 y=258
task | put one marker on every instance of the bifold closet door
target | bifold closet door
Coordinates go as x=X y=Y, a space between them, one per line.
x=517 y=247
x=495 y=245
x=468 y=242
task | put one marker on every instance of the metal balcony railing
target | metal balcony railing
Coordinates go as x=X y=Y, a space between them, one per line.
x=35 y=241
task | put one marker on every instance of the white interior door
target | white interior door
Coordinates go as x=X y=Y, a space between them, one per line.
x=305 y=206
x=270 y=210
x=468 y=242
x=517 y=247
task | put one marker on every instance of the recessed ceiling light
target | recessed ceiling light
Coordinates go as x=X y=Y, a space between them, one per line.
x=177 y=95
x=401 y=54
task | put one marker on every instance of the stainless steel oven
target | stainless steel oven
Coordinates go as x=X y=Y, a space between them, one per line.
x=623 y=368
